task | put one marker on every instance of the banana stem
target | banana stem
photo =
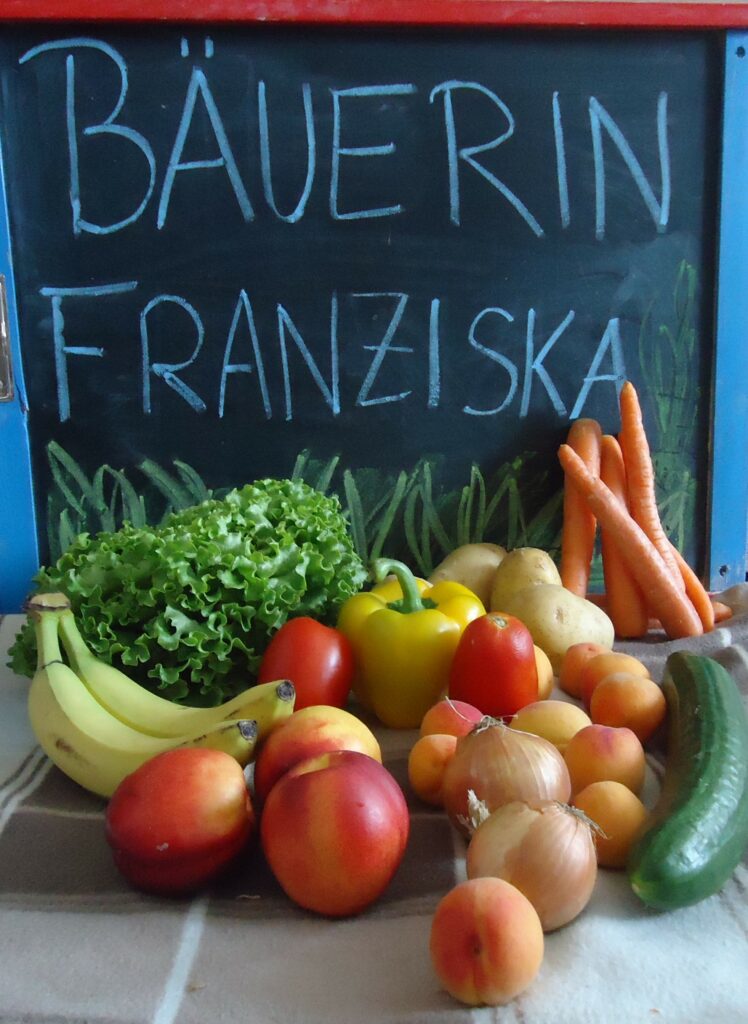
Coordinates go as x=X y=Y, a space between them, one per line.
x=47 y=639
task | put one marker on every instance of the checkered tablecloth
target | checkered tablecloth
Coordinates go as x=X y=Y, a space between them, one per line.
x=77 y=945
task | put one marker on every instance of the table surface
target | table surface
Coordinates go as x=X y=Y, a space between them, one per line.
x=76 y=944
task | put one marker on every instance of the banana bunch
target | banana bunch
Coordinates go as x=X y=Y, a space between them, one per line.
x=98 y=725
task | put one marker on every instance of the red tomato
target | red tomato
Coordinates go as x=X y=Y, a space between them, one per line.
x=317 y=659
x=494 y=666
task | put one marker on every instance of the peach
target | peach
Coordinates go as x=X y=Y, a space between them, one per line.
x=312 y=730
x=427 y=762
x=486 y=942
x=619 y=813
x=179 y=819
x=555 y=720
x=334 y=830
x=602 y=665
x=599 y=753
x=450 y=717
x=572 y=663
x=634 y=701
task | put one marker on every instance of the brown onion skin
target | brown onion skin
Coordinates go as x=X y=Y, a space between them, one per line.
x=500 y=768
x=546 y=851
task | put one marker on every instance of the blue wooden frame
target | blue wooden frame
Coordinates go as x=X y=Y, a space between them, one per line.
x=19 y=553
x=728 y=510
x=727 y=514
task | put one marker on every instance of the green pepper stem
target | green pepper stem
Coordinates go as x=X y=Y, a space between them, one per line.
x=411 y=600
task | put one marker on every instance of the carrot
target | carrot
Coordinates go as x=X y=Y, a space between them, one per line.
x=695 y=591
x=722 y=611
x=625 y=605
x=579 y=526
x=665 y=600
x=640 y=481
x=601 y=600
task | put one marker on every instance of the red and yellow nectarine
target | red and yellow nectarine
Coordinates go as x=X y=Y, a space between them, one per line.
x=179 y=819
x=334 y=830
x=308 y=732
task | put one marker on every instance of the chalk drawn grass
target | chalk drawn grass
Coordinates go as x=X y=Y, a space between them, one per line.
x=669 y=363
x=408 y=514
x=78 y=505
x=402 y=513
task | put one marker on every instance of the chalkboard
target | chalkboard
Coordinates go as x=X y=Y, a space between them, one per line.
x=396 y=262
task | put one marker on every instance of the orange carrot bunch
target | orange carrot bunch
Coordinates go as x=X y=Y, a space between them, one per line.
x=578 y=532
x=625 y=601
x=610 y=483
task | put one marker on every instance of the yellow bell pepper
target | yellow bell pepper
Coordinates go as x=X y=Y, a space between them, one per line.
x=404 y=633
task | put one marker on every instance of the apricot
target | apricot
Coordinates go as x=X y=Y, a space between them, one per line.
x=572 y=663
x=600 y=753
x=486 y=942
x=545 y=673
x=601 y=665
x=623 y=699
x=450 y=717
x=555 y=720
x=619 y=813
x=427 y=762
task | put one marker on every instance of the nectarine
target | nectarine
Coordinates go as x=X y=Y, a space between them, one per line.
x=179 y=819
x=308 y=732
x=334 y=830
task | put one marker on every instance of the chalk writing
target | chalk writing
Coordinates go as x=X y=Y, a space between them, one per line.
x=458 y=152
x=342 y=155
x=288 y=335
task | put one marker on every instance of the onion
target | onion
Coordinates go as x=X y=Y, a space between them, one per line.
x=547 y=851
x=501 y=765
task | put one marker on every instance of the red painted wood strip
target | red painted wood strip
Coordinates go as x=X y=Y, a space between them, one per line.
x=550 y=13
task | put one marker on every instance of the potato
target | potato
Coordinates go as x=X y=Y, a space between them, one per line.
x=520 y=568
x=557 y=619
x=473 y=565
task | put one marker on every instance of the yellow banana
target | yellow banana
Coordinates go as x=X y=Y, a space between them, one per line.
x=99 y=764
x=89 y=744
x=268 y=704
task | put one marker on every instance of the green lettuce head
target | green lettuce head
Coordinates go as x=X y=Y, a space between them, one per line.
x=188 y=607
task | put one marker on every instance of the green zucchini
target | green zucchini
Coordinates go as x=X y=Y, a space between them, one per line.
x=698 y=830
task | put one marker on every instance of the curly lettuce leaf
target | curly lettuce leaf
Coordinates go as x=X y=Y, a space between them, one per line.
x=188 y=607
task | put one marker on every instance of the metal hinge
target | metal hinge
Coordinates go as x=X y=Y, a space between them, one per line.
x=6 y=365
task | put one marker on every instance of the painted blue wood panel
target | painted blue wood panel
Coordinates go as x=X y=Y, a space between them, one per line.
x=19 y=555
x=729 y=449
